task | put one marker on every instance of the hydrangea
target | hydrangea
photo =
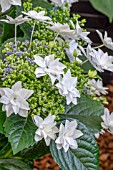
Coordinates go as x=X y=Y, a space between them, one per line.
x=107 y=41
x=69 y=51
x=14 y=99
x=18 y=20
x=37 y=16
x=107 y=120
x=101 y=61
x=62 y=2
x=62 y=29
x=96 y=87
x=67 y=87
x=46 y=129
x=68 y=135
x=6 y=4
x=50 y=66
x=79 y=34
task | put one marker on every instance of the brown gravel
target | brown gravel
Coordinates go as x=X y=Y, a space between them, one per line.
x=105 y=143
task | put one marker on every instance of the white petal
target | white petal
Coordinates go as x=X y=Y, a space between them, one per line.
x=47 y=140
x=23 y=105
x=17 y=86
x=15 y=109
x=23 y=113
x=39 y=61
x=5 y=5
x=77 y=134
x=38 y=138
x=37 y=120
x=8 y=109
x=8 y=92
x=25 y=94
x=4 y=100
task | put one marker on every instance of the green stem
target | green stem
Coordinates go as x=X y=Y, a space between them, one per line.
x=102 y=45
x=4 y=148
x=56 y=37
x=16 y=36
x=32 y=33
x=8 y=153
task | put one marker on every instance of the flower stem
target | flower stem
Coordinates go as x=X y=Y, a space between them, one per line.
x=85 y=62
x=32 y=33
x=56 y=37
x=102 y=45
x=16 y=36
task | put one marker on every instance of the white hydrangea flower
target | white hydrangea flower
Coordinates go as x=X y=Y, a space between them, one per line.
x=46 y=129
x=67 y=87
x=6 y=4
x=37 y=15
x=50 y=66
x=62 y=2
x=79 y=34
x=96 y=87
x=14 y=99
x=101 y=61
x=68 y=135
x=69 y=51
x=107 y=41
x=62 y=29
x=107 y=120
x=17 y=21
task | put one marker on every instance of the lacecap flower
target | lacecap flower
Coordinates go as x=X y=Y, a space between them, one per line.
x=68 y=135
x=37 y=15
x=46 y=128
x=14 y=99
x=6 y=4
x=62 y=29
x=107 y=41
x=17 y=21
x=67 y=88
x=101 y=61
x=107 y=120
x=62 y=2
x=50 y=66
x=96 y=87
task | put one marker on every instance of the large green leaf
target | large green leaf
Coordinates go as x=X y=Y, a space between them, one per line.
x=104 y=6
x=35 y=152
x=20 y=132
x=13 y=164
x=85 y=157
x=87 y=111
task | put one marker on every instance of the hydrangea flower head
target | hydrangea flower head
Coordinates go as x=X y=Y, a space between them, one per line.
x=107 y=120
x=50 y=66
x=68 y=135
x=37 y=15
x=107 y=41
x=14 y=99
x=46 y=129
x=96 y=87
x=6 y=4
x=67 y=87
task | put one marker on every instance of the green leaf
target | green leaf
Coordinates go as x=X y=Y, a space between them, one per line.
x=35 y=152
x=87 y=111
x=104 y=6
x=20 y=132
x=13 y=164
x=2 y=119
x=42 y=3
x=86 y=66
x=85 y=157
